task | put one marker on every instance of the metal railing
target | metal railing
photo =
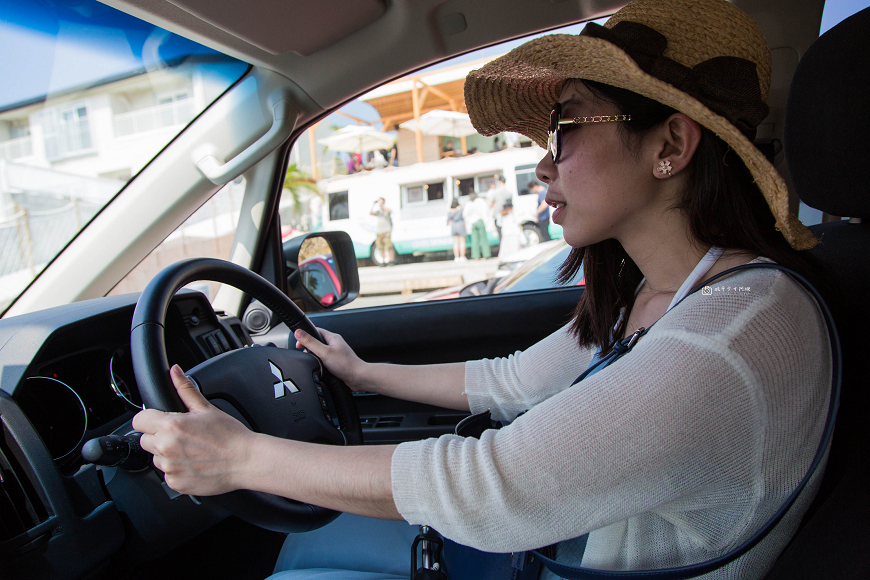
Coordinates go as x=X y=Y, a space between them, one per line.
x=71 y=137
x=153 y=118
x=29 y=239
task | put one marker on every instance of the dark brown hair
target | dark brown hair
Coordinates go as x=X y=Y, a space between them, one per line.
x=724 y=206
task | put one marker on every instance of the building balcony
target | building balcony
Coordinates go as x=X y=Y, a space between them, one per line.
x=154 y=118
x=16 y=148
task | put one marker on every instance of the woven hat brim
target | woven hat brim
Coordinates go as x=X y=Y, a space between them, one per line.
x=516 y=92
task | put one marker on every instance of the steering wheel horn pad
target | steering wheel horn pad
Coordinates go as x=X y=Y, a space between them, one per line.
x=274 y=389
x=245 y=380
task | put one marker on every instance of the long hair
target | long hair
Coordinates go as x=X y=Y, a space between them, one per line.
x=724 y=207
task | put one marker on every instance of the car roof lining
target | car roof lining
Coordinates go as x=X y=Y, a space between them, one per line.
x=272 y=25
x=389 y=46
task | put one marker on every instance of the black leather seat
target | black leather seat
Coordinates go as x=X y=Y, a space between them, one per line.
x=827 y=147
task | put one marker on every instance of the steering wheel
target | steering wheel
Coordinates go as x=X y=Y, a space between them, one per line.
x=280 y=392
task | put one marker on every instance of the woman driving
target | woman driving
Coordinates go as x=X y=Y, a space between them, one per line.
x=674 y=453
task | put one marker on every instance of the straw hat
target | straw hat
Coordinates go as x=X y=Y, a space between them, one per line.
x=705 y=58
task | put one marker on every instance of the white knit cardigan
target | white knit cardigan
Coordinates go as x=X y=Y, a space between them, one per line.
x=670 y=456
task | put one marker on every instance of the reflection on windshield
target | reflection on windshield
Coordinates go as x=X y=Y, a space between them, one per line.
x=89 y=96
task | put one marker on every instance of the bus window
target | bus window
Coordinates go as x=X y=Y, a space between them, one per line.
x=423 y=193
x=525 y=175
x=464 y=186
x=484 y=182
x=338 y=209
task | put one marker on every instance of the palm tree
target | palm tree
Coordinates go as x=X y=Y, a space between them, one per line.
x=295 y=181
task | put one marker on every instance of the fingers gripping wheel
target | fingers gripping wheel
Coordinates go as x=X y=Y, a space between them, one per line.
x=245 y=380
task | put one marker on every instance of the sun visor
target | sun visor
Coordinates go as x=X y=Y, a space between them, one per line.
x=281 y=26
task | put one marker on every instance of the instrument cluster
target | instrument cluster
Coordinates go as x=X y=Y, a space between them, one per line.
x=83 y=385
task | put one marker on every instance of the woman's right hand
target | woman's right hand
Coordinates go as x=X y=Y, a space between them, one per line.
x=338 y=358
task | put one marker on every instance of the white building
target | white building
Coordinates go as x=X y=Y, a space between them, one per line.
x=64 y=155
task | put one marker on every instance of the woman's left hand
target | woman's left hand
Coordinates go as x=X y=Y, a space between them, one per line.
x=201 y=452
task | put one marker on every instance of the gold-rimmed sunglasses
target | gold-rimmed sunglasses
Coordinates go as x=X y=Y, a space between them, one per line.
x=554 y=133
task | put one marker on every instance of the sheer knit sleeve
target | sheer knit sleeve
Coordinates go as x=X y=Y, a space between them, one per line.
x=681 y=447
x=508 y=386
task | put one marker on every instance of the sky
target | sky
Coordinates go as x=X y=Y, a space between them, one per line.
x=47 y=48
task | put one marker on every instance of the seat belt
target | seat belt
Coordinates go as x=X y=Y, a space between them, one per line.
x=691 y=571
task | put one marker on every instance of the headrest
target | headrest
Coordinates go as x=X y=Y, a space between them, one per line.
x=827 y=121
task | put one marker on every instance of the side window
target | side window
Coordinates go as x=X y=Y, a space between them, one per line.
x=410 y=146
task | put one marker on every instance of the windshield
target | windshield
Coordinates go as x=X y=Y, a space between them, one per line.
x=89 y=95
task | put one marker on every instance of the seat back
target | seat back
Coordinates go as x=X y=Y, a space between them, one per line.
x=826 y=132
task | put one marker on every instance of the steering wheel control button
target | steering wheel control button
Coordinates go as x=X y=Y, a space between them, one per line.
x=282 y=385
x=225 y=344
x=213 y=345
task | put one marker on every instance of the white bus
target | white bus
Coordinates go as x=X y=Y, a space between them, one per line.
x=419 y=196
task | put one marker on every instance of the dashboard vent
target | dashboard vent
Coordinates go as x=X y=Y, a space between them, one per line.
x=20 y=506
x=240 y=334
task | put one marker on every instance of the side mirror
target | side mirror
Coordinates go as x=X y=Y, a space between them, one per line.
x=321 y=270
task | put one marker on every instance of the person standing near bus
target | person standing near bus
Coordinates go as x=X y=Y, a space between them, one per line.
x=383 y=243
x=475 y=214
x=497 y=196
x=457 y=230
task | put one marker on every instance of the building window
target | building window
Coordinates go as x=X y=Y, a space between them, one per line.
x=172 y=110
x=173 y=97
x=18 y=143
x=19 y=128
x=67 y=131
x=338 y=209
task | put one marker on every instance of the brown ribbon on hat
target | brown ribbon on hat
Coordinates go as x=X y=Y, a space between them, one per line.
x=727 y=85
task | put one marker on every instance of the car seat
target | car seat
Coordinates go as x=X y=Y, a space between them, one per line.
x=826 y=128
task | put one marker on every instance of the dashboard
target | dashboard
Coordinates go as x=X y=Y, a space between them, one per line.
x=66 y=376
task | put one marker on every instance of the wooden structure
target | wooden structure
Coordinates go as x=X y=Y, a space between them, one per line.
x=411 y=96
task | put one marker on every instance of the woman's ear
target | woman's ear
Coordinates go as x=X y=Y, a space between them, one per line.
x=675 y=144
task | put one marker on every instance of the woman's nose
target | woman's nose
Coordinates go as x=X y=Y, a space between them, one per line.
x=546 y=168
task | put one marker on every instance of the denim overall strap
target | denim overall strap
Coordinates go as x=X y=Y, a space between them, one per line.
x=693 y=570
x=623 y=346
x=619 y=349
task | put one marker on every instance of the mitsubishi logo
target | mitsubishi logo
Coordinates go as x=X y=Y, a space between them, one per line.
x=281 y=384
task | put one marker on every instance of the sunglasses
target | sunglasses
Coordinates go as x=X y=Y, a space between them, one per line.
x=558 y=126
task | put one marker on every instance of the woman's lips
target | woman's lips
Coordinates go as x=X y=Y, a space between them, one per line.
x=558 y=208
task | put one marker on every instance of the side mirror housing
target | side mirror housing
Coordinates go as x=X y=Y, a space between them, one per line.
x=321 y=270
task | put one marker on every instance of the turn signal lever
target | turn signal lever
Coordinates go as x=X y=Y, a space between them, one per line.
x=121 y=451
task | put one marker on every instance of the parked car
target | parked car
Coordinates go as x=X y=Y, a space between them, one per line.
x=135 y=134
x=537 y=273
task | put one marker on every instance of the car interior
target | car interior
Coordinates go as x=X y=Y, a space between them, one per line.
x=64 y=516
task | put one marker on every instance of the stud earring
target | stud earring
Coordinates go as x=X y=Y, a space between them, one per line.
x=664 y=167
